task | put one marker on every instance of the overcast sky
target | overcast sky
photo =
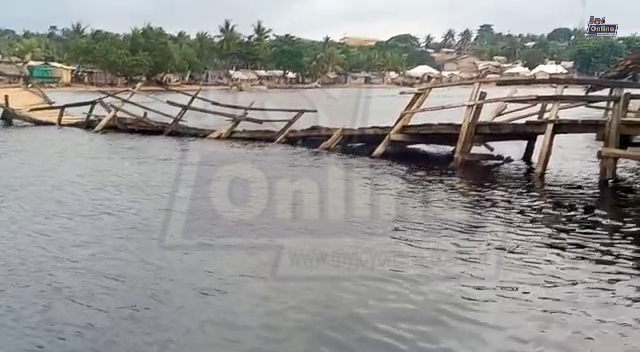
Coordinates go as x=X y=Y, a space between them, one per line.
x=315 y=18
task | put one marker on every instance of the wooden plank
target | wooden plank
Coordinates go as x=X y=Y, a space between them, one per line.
x=517 y=81
x=608 y=166
x=181 y=114
x=614 y=153
x=143 y=107
x=333 y=141
x=70 y=105
x=218 y=113
x=502 y=106
x=282 y=134
x=238 y=107
x=468 y=131
x=549 y=135
x=522 y=108
x=531 y=143
x=527 y=99
x=605 y=114
x=524 y=116
x=225 y=132
x=403 y=120
x=111 y=115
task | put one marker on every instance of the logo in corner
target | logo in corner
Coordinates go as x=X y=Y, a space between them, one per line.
x=599 y=28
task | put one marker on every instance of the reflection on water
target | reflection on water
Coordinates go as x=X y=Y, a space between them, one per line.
x=116 y=242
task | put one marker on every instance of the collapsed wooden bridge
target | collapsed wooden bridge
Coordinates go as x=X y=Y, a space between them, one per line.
x=616 y=129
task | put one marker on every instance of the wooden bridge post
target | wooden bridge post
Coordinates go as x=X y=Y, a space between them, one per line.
x=89 y=114
x=468 y=129
x=333 y=141
x=60 y=116
x=6 y=116
x=282 y=134
x=111 y=115
x=549 y=135
x=403 y=120
x=531 y=143
x=608 y=165
x=180 y=115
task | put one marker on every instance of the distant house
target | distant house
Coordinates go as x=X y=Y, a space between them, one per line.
x=95 y=77
x=10 y=73
x=517 y=71
x=466 y=64
x=50 y=72
x=357 y=78
x=548 y=70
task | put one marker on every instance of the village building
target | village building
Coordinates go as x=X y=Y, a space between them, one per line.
x=517 y=71
x=50 y=72
x=10 y=71
x=466 y=64
x=549 y=70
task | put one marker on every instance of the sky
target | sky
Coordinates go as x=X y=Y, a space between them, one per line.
x=313 y=19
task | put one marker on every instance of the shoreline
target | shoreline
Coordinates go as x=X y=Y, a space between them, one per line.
x=193 y=88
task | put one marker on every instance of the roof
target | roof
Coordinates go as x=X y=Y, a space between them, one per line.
x=550 y=69
x=10 y=59
x=422 y=70
x=10 y=70
x=52 y=64
x=518 y=70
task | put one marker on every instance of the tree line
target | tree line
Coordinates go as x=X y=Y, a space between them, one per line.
x=150 y=51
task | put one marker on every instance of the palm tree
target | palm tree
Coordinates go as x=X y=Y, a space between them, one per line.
x=229 y=40
x=449 y=38
x=260 y=32
x=464 y=39
x=427 y=41
x=204 y=48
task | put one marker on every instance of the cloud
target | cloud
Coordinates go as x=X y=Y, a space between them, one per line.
x=316 y=18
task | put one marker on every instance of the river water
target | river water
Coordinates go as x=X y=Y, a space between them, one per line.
x=131 y=243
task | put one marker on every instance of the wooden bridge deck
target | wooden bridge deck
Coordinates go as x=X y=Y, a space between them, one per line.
x=446 y=133
x=22 y=100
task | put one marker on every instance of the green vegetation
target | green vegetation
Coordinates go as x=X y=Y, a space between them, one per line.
x=150 y=51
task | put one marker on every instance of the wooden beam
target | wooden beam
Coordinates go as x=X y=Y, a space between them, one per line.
x=608 y=166
x=522 y=108
x=614 y=153
x=333 y=141
x=239 y=107
x=468 y=131
x=527 y=99
x=70 y=105
x=549 y=135
x=531 y=143
x=181 y=114
x=225 y=132
x=282 y=134
x=218 y=113
x=518 y=81
x=60 y=116
x=403 y=120
x=524 y=116
x=502 y=106
x=111 y=115
x=143 y=107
